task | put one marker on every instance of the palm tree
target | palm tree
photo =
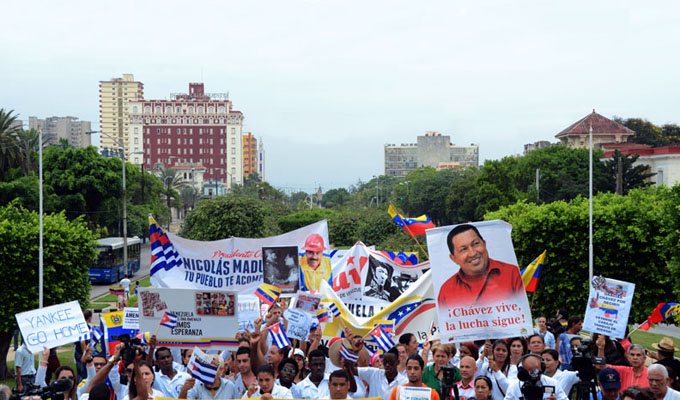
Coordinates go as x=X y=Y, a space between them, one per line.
x=189 y=194
x=10 y=153
x=172 y=183
x=28 y=143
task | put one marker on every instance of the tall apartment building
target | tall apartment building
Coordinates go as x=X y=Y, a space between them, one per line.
x=114 y=96
x=253 y=155
x=430 y=150
x=192 y=130
x=69 y=128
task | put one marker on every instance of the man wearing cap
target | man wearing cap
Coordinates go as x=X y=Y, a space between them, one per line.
x=314 y=266
x=665 y=351
x=658 y=383
x=610 y=384
x=636 y=374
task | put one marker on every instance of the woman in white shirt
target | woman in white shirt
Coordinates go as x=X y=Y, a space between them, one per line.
x=148 y=377
x=495 y=364
x=63 y=372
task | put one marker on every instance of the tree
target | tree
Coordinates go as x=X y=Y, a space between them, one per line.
x=9 y=148
x=227 y=216
x=173 y=183
x=189 y=196
x=335 y=198
x=28 y=144
x=620 y=167
x=69 y=249
x=461 y=202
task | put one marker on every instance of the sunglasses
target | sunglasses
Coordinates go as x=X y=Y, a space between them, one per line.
x=100 y=364
x=129 y=370
x=68 y=377
x=286 y=369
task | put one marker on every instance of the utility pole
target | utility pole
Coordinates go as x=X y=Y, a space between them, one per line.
x=538 y=175
x=619 y=175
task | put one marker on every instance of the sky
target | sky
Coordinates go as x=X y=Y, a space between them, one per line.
x=327 y=83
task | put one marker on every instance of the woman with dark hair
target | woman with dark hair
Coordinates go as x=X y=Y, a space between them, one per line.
x=63 y=372
x=495 y=365
x=468 y=349
x=518 y=348
x=147 y=375
x=483 y=388
x=637 y=393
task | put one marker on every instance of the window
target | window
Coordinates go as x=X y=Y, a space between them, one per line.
x=147 y=109
x=233 y=150
x=185 y=140
x=158 y=130
x=233 y=131
x=178 y=109
x=157 y=110
x=191 y=109
x=134 y=109
x=136 y=140
x=191 y=151
x=233 y=160
x=158 y=141
x=136 y=130
x=220 y=110
x=233 y=140
x=191 y=141
x=211 y=110
x=200 y=109
x=168 y=110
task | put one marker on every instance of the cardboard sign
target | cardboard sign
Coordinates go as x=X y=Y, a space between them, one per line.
x=608 y=306
x=299 y=323
x=248 y=311
x=52 y=326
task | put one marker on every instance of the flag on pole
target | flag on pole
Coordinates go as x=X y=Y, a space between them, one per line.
x=382 y=338
x=204 y=371
x=278 y=334
x=268 y=293
x=532 y=272
x=334 y=310
x=662 y=312
x=322 y=315
x=348 y=354
x=169 y=320
x=412 y=226
x=117 y=291
x=163 y=253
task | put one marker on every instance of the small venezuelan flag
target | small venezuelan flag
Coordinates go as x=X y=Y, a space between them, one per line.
x=268 y=293
x=322 y=315
x=412 y=226
x=662 y=312
x=117 y=291
x=532 y=272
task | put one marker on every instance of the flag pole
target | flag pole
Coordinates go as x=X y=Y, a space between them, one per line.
x=533 y=297
x=411 y=233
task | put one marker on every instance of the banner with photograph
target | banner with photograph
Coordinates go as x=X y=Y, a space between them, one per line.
x=235 y=264
x=477 y=283
x=414 y=311
x=190 y=317
x=608 y=307
x=281 y=268
x=367 y=280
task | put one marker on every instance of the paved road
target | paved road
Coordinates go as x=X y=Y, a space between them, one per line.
x=145 y=262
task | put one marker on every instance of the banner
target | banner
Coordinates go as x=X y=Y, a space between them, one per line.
x=608 y=307
x=235 y=264
x=203 y=317
x=367 y=280
x=52 y=326
x=414 y=311
x=477 y=284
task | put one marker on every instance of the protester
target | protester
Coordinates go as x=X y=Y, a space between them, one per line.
x=483 y=388
x=414 y=370
x=637 y=393
x=410 y=343
x=566 y=379
x=24 y=366
x=5 y=391
x=315 y=385
x=433 y=374
x=548 y=338
x=574 y=325
x=381 y=381
x=140 y=382
x=288 y=370
x=221 y=388
x=266 y=389
x=495 y=364
x=518 y=348
x=403 y=355
x=185 y=357
x=532 y=363
x=613 y=351
x=468 y=369
x=376 y=360
x=169 y=381
x=299 y=357
x=659 y=383
x=636 y=374
x=80 y=347
x=665 y=356
x=610 y=384
x=246 y=377
x=535 y=343
x=93 y=364
x=63 y=372
x=468 y=349
x=338 y=384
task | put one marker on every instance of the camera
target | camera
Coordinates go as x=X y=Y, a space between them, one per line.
x=54 y=391
x=583 y=361
x=555 y=327
x=448 y=382
x=532 y=388
x=130 y=348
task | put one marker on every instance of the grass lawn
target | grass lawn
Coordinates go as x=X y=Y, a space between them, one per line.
x=646 y=339
x=65 y=355
x=109 y=298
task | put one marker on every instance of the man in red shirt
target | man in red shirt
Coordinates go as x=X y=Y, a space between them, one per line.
x=480 y=280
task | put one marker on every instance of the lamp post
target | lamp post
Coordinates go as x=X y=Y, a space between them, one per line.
x=167 y=197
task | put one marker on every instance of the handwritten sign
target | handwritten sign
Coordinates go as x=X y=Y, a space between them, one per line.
x=299 y=323
x=52 y=326
x=608 y=306
x=130 y=318
x=248 y=311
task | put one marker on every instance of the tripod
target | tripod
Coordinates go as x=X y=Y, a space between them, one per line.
x=586 y=390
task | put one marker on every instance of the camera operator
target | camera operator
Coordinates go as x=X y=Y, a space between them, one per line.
x=567 y=379
x=142 y=393
x=94 y=364
x=63 y=372
x=532 y=384
x=636 y=374
x=574 y=325
x=434 y=374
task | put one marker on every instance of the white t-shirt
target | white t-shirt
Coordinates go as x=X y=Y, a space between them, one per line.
x=671 y=394
x=125 y=283
x=515 y=389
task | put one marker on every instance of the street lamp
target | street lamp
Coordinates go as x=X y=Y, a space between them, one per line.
x=407 y=195
x=167 y=197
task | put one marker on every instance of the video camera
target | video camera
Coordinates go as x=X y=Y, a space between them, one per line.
x=54 y=391
x=532 y=388
x=131 y=346
x=583 y=361
x=448 y=382
x=555 y=327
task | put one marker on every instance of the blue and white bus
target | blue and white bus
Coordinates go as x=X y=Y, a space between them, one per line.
x=109 y=265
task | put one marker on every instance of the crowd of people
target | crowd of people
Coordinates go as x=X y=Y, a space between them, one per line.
x=543 y=365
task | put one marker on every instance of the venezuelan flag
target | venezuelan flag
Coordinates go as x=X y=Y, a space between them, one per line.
x=392 y=210
x=532 y=272
x=662 y=312
x=268 y=293
x=117 y=291
x=412 y=226
x=322 y=315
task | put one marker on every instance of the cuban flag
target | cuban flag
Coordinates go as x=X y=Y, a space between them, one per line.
x=334 y=310
x=382 y=338
x=163 y=253
x=169 y=320
x=204 y=371
x=278 y=334
x=348 y=354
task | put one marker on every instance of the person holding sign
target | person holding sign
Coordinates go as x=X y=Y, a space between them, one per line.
x=480 y=280
x=414 y=369
x=170 y=380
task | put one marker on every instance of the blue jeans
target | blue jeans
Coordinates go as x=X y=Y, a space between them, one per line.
x=26 y=380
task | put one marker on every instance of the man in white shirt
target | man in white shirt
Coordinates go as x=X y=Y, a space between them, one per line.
x=221 y=388
x=468 y=369
x=125 y=284
x=566 y=379
x=315 y=385
x=338 y=385
x=531 y=363
x=266 y=388
x=382 y=381
x=24 y=365
x=169 y=381
x=658 y=378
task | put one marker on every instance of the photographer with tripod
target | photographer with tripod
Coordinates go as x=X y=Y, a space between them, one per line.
x=532 y=384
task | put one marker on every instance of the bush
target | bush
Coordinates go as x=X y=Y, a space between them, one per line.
x=297 y=220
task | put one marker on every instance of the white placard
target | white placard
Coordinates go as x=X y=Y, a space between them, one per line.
x=248 y=311
x=299 y=323
x=52 y=326
x=608 y=306
x=414 y=393
x=130 y=318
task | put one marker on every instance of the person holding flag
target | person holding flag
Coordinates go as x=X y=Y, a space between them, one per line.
x=199 y=386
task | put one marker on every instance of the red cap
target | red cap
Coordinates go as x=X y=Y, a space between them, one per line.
x=314 y=243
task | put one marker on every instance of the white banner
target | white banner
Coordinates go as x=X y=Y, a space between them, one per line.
x=479 y=290
x=203 y=317
x=367 y=280
x=130 y=318
x=52 y=326
x=608 y=307
x=248 y=310
x=234 y=264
